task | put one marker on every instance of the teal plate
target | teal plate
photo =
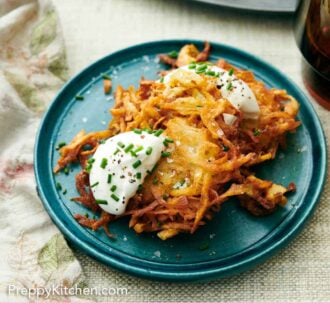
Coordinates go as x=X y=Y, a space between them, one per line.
x=234 y=240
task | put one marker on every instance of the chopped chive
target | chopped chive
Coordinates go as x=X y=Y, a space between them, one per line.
x=256 y=132
x=109 y=178
x=138 y=149
x=202 y=66
x=138 y=175
x=115 y=197
x=66 y=170
x=102 y=141
x=165 y=197
x=137 y=163
x=106 y=76
x=104 y=163
x=86 y=215
x=210 y=73
x=79 y=97
x=94 y=184
x=225 y=148
x=229 y=86
x=91 y=160
x=166 y=154
x=58 y=186
x=159 y=132
x=88 y=168
x=149 y=131
x=129 y=147
x=231 y=71
x=161 y=79
x=139 y=189
x=64 y=191
x=217 y=74
x=133 y=153
x=199 y=70
x=101 y=201
x=192 y=66
x=167 y=141
x=155 y=181
x=173 y=54
x=121 y=144
x=137 y=130
x=113 y=188
x=149 y=151
x=116 y=152
x=204 y=246
x=60 y=145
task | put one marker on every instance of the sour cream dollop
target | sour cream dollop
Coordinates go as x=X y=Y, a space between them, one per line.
x=235 y=90
x=120 y=165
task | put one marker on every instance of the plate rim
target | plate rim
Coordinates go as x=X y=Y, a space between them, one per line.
x=194 y=275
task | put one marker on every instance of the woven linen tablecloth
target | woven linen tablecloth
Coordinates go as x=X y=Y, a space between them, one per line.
x=92 y=29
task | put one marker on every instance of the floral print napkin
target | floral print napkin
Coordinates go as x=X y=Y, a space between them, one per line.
x=33 y=67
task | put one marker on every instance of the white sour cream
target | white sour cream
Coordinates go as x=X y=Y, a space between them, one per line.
x=235 y=90
x=120 y=165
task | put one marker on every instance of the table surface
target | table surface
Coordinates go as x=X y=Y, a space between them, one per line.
x=92 y=29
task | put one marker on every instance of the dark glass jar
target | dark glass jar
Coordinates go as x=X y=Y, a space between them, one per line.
x=312 y=32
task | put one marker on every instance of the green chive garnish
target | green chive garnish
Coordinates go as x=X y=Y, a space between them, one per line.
x=173 y=54
x=231 y=71
x=159 y=132
x=121 y=144
x=161 y=79
x=155 y=181
x=94 y=184
x=116 y=152
x=166 y=154
x=137 y=163
x=138 y=175
x=91 y=161
x=101 y=201
x=149 y=151
x=225 y=148
x=133 y=153
x=113 y=188
x=129 y=147
x=192 y=66
x=104 y=163
x=109 y=178
x=106 y=76
x=210 y=73
x=167 y=141
x=64 y=191
x=202 y=66
x=256 y=132
x=138 y=149
x=88 y=168
x=137 y=130
x=60 y=145
x=229 y=86
x=139 y=189
x=79 y=97
x=165 y=197
x=66 y=170
x=58 y=186
x=115 y=197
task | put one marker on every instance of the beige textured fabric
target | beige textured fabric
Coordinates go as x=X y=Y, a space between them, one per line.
x=92 y=29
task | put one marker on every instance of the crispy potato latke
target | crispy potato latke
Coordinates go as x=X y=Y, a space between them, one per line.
x=210 y=161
